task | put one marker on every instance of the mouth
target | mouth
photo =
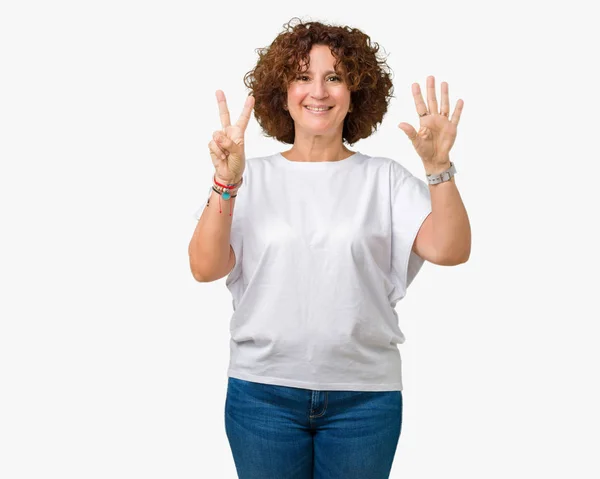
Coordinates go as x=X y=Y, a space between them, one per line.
x=318 y=111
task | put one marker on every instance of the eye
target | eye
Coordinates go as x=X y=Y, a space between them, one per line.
x=335 y=77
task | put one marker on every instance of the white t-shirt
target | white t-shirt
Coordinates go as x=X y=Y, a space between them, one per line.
x=323 y=254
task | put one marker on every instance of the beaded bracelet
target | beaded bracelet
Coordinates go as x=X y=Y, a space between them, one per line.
x=224 y=191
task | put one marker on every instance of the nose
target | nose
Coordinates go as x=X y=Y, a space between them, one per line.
x=319 y=91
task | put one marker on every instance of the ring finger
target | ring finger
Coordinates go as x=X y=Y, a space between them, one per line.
x=216 y=149
x=220 y=138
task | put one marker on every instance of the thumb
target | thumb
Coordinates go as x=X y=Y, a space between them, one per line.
x=409 y=130
x=229 y=145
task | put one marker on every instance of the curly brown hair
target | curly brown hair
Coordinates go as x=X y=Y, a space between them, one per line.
x=367 y=76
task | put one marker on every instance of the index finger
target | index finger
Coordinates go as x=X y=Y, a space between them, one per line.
x=419 y=103
x=223 y=111
x=246 y=112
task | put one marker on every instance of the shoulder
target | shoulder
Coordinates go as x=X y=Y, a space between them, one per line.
x=255 y=159
x=379 y=163
x=253 y=163
x=395 y=170
x=400 y=174
x=398 y=169
x=391 y=163
x=258 y=161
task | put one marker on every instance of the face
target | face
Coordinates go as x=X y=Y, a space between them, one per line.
x=319 y=87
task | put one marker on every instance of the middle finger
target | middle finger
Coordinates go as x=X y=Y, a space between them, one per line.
x=246 y=112
x=431 y=99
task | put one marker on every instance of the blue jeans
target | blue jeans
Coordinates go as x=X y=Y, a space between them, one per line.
x=279 y=432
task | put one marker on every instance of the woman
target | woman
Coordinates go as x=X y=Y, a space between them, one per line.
x=319 y=245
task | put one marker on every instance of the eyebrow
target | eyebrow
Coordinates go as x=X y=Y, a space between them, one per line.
x=326 y=73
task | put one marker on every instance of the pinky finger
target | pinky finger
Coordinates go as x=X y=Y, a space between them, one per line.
x=457 y=112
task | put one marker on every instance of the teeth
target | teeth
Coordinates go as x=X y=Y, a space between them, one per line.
x=318 y=109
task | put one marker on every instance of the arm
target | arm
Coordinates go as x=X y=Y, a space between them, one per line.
x=210 y=251
x=211 y=255
x=445 y=237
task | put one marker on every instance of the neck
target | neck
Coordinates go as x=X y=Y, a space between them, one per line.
x=314 y=153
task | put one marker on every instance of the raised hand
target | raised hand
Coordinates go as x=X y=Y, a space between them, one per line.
x=437 y=133
x=227 y=146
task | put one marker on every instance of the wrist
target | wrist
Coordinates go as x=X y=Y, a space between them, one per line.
x=226 y=188
x=227 y=181
x=437 y=168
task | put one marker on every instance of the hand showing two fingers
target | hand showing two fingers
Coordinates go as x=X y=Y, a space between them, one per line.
x=227 y=145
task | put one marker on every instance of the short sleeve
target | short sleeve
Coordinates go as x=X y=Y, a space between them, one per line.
x=235 y=238
x=410 y=205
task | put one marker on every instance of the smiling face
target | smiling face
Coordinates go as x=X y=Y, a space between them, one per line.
x=318 y=100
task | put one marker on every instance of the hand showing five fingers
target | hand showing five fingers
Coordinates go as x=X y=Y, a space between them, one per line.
x=437 y=132
x=227 y=146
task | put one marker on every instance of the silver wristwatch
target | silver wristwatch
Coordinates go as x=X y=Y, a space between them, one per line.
x=443 y=176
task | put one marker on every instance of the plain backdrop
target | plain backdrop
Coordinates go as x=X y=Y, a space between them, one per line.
x=113 y=358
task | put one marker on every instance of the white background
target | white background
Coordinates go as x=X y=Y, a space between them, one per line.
x=113 y=358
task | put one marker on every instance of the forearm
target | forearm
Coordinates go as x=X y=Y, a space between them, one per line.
x=209 y=247
x=451 y=227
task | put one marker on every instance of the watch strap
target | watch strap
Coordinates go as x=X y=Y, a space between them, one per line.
x=443 y=176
